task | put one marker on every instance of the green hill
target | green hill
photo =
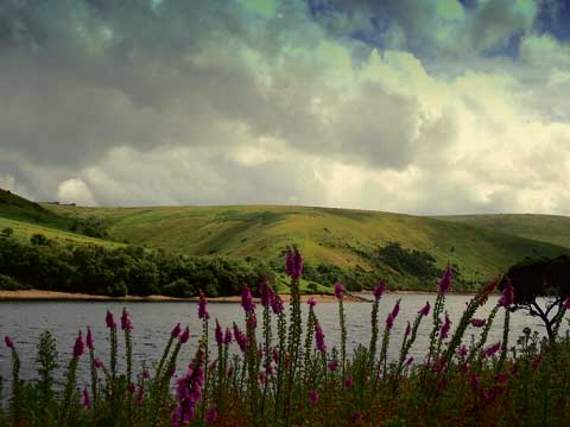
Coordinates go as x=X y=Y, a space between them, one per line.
x=349 y=239
x=332 y=240
x=553 y=229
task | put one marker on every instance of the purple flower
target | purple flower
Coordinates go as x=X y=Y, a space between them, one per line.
x=185 y=336
x=408 y=330
x=320 y=338
x=189 y=392
x=228 y=336
x=424 y=311
x=247 y=300
x=110 y=321
x=508 y=295
x=78 y=347
x=313 y=397
x=89 y=339
x=294 y=263
x=86 y=401
x=446 y=280
x=9 y=342
x=219 y=333
x=211 y=415
x=462 y=351
x=491 y=350
x=409 y=361
x=241 y=338
x=339 y=290
x=332 y=365
x=176 y=331
x=266 y=294
x=312 y=302
x=478 y=323
x=444 y=332
x=126 y=324
x=379 y=290
x=251 y=321
x=98 y=364
x=396 y=309
x=389 y=321
x=202 y=310
x=348 y=382
x=277 y=304
x=145 y=374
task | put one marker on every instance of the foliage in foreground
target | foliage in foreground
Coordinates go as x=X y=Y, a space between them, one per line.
x=281 y=372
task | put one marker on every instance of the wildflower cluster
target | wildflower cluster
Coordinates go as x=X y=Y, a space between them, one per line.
x=283 y=371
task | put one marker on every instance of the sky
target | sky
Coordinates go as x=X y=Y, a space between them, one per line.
x=420 y=107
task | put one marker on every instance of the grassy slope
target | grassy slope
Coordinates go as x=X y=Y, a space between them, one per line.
x=324 y=235
x=553 y=229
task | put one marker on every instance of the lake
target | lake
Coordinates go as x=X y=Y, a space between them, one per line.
x=25 y=321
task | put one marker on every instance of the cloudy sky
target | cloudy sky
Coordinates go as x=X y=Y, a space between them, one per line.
x=432 y=106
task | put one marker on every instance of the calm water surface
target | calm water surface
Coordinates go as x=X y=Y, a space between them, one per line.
x=25 y=321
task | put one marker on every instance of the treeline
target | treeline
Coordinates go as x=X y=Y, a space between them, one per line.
x=48 y=265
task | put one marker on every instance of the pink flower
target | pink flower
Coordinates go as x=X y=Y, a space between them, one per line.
x=185 y=336
x=219 y=334
x=332 y=365
x=228 y=336
x=462 y=351
x=202 y=310
x=86 y=401
x=126 y=324
x=277 y=304
x=266 y=294
x=240 y=338
x=508 y=295
x=379 y=290
x=89 y=339
x=110 y=321
x=348 y=382
x=312 y=302
x=294 y=263
x=444 y=332
x=409 y=361
x=446 y=280
x=424 y=311
x=211 y=415
x=408 y=330
x=339 y=290
x=567 y=303
x=98 y=364
x=320 y=338
x=313 y=397
x=247 y=300
x=145 y=374
x=176 y=331
x=478 y=323
x=491 y=350
x=9 y=342
x=389 y=321
x=78 y=347
x=396 y=309
x=251 y=321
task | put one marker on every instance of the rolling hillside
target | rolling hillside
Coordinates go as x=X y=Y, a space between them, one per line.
x=339 y=237
x=544 y=228
x=480 y=246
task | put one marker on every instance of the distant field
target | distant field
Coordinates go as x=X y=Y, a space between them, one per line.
x=24 y=231
x=553 y=229
x=332 y=236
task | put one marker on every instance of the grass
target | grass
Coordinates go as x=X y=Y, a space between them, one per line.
x=544 y=228
x=23 y=231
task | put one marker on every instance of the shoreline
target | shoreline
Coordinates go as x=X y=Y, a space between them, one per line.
x=39 y=295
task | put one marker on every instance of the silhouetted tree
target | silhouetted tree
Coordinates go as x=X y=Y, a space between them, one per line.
x=548 y=278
